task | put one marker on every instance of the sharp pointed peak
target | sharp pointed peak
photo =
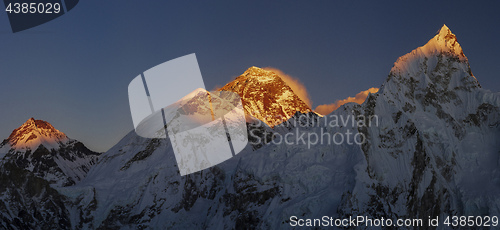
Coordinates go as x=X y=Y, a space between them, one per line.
x=37 y=124
x=445 y=34
x=444 y=30
x=30 y=121
x=444 y=42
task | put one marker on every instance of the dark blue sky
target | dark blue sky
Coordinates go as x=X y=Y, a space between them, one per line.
x=74 y=71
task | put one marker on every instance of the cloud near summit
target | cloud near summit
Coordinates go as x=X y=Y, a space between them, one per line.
x=300 y=90
x=359 y=98
x=297 y=86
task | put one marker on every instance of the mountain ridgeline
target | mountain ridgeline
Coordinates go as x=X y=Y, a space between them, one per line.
x=433 y=152
x=36 y=160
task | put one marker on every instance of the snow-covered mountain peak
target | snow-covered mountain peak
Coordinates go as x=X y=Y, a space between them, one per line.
x=38 y=147
x=439 y=69
x=261 y=74
x=266 y=96
x=195 y=93
x=444 y=31
x=443 y=43
x=34 y=133
x=201 y=107
x=438 y=125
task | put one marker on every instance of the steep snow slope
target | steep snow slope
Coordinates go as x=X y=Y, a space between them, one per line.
x=256 y=188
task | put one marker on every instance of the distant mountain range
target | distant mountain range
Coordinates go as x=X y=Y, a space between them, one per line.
x=433 y=151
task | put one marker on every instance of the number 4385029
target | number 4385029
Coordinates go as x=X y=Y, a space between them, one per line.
x=471 y=221
x=33 y=8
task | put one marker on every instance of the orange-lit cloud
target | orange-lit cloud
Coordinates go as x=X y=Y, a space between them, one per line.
x=359 y=98
x=298 y=87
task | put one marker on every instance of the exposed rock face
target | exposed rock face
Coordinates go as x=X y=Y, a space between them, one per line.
x=266 y=96
x=29 y=202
